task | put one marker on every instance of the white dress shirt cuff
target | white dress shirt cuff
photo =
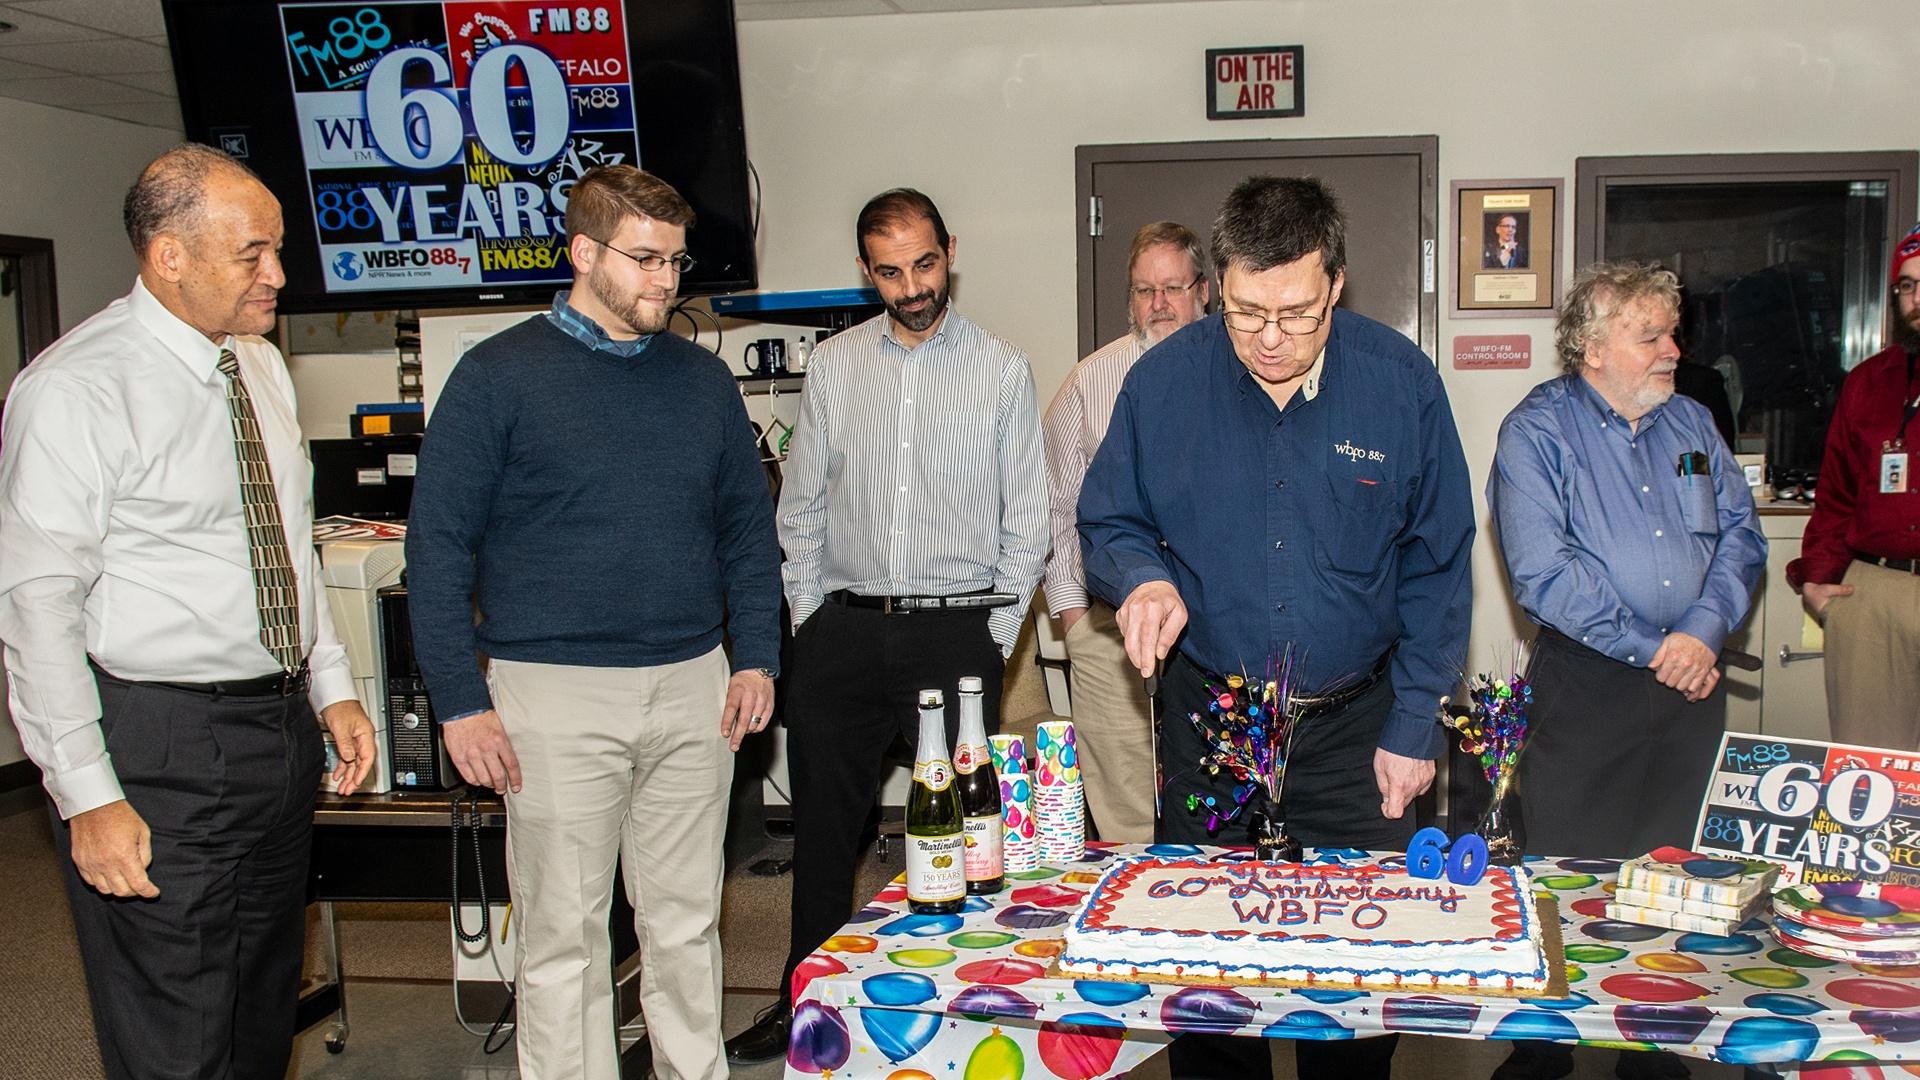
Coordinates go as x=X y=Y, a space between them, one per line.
x=329 y=687
x=86 y=788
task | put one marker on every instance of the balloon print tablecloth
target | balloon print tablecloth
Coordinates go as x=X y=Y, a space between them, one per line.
x=966 y=997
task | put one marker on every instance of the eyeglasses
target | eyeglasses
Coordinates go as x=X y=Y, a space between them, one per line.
x=1146 y=293
x=1248 y=322
x=1906 y=287
x=681 y=263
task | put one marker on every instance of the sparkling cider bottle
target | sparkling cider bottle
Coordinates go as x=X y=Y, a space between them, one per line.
x=936 y=840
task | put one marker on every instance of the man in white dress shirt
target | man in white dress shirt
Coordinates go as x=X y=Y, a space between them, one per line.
x=158 y=670
x=1167 y=288
x=914 y=493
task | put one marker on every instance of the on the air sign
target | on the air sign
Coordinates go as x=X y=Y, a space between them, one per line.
x=1256 y=81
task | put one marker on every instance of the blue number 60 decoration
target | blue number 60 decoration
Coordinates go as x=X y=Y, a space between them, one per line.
x=1464 y=862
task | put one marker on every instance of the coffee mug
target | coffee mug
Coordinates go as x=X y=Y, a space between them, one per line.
x=768 y=356
x=802 y=351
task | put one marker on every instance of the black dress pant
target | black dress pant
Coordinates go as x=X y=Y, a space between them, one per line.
x=1330 y=799
x=201 y=982
x=851 y=691
x=1616 y=764
x=1619 y=761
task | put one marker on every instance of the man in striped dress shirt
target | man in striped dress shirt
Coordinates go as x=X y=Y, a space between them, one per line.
x=915 y=479
x=1168 y=281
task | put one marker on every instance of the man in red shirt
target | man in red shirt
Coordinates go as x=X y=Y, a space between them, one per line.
x=1859 y=565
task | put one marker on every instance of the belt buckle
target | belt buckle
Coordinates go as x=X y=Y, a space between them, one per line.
x=293 y=682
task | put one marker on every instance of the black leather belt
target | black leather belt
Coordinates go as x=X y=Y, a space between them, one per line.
x=284 y=684
x=1312 y=707
x=1320 y=705
x=1905 y=566
x=901 y=605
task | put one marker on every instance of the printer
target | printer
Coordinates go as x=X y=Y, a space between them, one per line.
x=354 y=572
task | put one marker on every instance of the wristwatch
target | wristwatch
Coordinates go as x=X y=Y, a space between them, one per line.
x=768 y=672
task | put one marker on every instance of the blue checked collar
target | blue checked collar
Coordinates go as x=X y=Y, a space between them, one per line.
x=588 y=333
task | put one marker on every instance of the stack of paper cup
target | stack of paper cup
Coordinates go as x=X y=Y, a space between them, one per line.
x=1059 y=803
x=1009 y=754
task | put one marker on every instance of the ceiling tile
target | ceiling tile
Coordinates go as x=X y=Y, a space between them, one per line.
x=157 y=114
x=134 y=18
x=31 y=28
x=68 y=91
x=749 y=10
x=13 y=69
x=919 y=6
x=158 y=82
x=105 y=57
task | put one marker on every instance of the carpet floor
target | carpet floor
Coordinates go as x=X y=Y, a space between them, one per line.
x=43 y=1001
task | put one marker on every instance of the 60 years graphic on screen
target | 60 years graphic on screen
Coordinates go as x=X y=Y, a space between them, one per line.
x=441 y=139
x=1824 y=811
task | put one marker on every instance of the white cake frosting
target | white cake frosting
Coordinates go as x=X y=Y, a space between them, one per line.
x=1354 y=925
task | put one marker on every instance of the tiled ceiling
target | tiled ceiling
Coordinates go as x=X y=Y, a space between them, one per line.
x=110 y=58
x=106 y=57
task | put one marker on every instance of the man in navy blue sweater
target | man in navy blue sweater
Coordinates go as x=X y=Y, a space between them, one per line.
x=589 y=483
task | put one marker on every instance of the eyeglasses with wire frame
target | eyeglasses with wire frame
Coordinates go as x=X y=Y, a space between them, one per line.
x=1906 y=287
x=1248 y=322
x=650 y=262
x=1146 y=293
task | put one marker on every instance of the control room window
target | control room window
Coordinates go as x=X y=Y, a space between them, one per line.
x=1782 y=260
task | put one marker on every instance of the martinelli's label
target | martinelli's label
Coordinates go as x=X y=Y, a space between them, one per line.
x=936 y=867
x=936 y=774
x=968 y=757
x=984 y=837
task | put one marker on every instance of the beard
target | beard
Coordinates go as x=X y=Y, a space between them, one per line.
x=917 y=321
x=628 y=307
x=1156 y=330
x=1651 y=396
x=1906 y=326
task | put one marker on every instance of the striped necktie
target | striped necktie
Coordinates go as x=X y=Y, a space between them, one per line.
x=274 y=590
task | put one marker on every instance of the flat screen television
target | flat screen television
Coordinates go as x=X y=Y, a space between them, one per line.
x=422 y=150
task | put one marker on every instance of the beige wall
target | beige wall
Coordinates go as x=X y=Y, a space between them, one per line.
x=62 y=176
x=983 y=111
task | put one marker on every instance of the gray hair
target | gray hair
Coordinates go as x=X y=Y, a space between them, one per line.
x=1269 y=221
x=170 y=196
x=1600 y=292
x=1172 y=234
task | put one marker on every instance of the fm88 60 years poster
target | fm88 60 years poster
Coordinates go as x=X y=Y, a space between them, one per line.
x=441 y=138
x=1824 y=811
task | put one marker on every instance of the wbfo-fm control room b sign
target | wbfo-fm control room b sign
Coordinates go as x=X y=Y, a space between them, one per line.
x=1256 y=81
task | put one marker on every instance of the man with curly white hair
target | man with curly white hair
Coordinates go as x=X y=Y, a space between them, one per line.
x=1630 y=537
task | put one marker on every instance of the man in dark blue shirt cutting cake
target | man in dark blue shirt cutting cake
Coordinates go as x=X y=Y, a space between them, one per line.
x=589 y=484
x=1288 y=473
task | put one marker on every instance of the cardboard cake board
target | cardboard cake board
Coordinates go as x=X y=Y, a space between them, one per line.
x=1551 y=946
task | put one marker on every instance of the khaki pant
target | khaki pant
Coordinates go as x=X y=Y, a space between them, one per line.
x=1873 y=659
x=1113 y=722
x=623 y=763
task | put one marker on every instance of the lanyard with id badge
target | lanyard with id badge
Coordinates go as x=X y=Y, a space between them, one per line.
x=1894 y=460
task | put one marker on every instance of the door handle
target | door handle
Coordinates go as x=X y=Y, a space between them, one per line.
x=1788 y=655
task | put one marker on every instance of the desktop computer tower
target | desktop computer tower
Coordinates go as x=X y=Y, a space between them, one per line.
x=354 y=572
x=419 y=758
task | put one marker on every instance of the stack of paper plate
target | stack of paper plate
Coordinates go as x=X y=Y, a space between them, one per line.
x=1852 y=922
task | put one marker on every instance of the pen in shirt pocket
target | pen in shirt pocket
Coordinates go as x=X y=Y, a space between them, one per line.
x=1692 y=463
